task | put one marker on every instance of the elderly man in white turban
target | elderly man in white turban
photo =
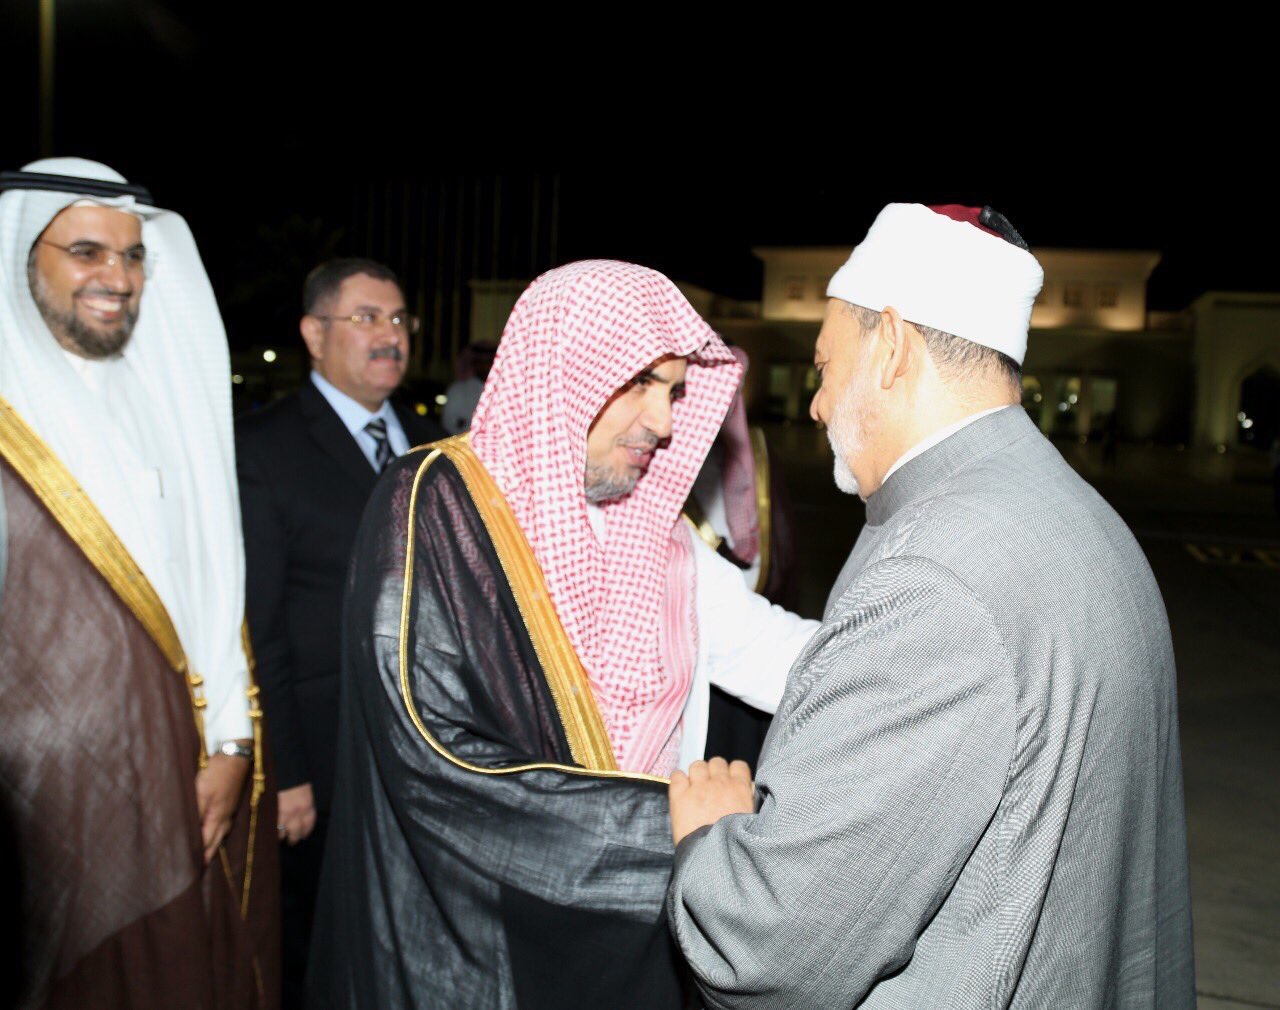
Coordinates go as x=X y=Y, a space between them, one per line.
x=971 y=795
x=130 y=757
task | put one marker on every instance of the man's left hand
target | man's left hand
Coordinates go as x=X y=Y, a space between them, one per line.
x=218 y=788
x=711 y=790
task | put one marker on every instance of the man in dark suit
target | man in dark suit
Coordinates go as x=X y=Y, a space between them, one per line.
x=307 y=465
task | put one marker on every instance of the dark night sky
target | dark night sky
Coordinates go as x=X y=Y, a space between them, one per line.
x=683 y=154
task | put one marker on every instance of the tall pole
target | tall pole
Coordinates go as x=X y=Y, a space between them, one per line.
x=46 y=78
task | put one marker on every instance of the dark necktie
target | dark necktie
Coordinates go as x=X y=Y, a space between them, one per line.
x=383 y=454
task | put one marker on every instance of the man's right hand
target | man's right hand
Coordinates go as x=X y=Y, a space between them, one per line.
x=711 y=790
x=297 y=816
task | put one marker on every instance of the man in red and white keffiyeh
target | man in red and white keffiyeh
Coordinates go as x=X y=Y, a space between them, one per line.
x=607 y=391
x=497 y=839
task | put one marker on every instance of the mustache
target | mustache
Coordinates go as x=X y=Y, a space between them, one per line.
x=645 y=442
x=392 y=352
x=89 y=292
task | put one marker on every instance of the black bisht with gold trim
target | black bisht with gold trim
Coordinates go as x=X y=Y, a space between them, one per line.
x=483 y=850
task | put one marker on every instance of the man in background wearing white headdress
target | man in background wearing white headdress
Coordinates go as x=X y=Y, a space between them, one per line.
x=131 y=759
x=741 y=510
x=971 y=795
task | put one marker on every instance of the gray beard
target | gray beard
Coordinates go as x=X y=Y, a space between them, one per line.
x=602 y=484
x=845 y=480
x=847 y=434
x=71 y=333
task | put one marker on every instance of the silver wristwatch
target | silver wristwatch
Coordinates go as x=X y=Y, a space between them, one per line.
x=235 y=749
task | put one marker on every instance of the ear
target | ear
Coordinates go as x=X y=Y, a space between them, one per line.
x=895 y=333
x=312 y=330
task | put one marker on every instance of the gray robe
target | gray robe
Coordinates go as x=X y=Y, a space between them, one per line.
x=971 y=795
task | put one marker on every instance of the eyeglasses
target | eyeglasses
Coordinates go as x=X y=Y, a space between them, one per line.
x=373 y=320
x=96 y=256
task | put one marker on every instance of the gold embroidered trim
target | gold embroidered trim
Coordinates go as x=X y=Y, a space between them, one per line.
x=73 y=510
x=570 y=689
x=259 y=770
x=516 y=568
x=701 y=525
x=764 y=503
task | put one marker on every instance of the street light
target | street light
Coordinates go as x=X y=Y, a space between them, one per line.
x=46 y=77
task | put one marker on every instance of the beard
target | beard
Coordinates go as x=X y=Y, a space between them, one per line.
x=603 y=483
x=848 y=434
x=71 y=332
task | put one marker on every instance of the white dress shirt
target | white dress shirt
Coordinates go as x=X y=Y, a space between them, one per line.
x=355 y=416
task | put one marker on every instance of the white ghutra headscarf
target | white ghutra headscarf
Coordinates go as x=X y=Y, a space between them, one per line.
x=175 y=372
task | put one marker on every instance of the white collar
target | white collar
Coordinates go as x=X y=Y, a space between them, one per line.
x=595 y=516
x=354 y=415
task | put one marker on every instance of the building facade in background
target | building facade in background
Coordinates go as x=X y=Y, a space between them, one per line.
x=1099 y=365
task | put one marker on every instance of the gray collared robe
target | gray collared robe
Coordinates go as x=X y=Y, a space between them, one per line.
x=971 y=795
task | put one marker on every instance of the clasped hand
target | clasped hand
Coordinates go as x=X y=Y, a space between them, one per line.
x=218 y=788
x=711 y=790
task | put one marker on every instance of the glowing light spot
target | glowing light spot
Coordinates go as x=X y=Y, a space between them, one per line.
x=441 y=400
x=268 y=355
x=237 y=379
x=420 y=409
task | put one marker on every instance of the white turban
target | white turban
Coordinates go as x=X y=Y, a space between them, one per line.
x=949 y=274
x=178 y=353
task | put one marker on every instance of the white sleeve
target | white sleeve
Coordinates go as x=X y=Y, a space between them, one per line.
x=227 y=715
x=750 y=644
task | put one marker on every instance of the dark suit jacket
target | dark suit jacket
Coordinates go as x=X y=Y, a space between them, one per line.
x=303 y=486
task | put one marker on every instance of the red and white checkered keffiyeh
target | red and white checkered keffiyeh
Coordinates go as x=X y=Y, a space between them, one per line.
x=738 y=476
x=577 y=335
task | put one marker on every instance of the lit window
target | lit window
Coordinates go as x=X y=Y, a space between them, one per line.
x=795 y=288
x=1108 y=296
x=1073 y=295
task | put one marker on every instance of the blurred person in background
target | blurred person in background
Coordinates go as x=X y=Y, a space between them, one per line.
x=740 y=507
x=464 y=392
